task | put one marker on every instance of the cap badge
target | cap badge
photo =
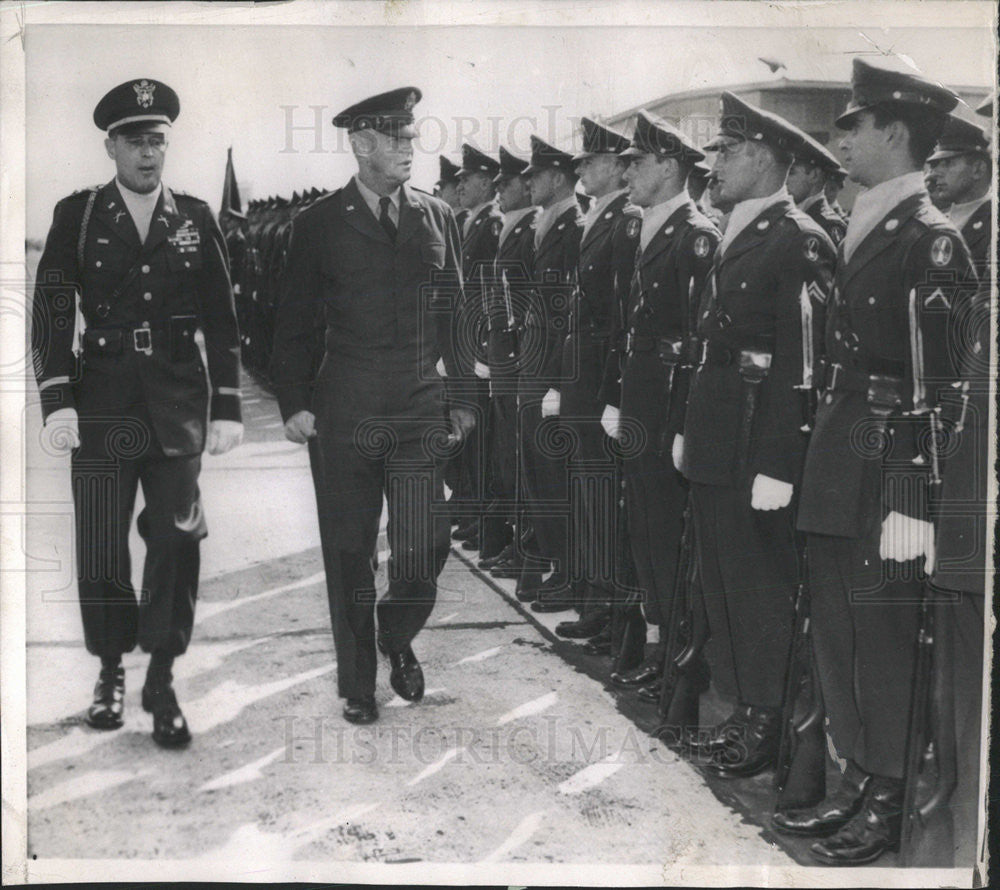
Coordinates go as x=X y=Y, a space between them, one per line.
x=701 y=247
x=941 y=251
x=411 y=100
x=144 y=93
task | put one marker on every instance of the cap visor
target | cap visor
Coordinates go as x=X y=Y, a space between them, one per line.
x=844 y=121
x=632 y=152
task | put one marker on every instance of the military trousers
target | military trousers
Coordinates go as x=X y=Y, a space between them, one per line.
x=115 y=457
x=748 y=568
x=351 y=475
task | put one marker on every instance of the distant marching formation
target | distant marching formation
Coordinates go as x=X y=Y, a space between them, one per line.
x=711 y=377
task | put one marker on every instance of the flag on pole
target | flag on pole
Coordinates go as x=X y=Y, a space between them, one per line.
x=230 y=191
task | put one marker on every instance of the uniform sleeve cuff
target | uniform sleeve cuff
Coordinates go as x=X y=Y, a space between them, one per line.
x=226 y=406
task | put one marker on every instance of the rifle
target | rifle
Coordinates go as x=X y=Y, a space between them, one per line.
x=800 y=775
x=681 y=686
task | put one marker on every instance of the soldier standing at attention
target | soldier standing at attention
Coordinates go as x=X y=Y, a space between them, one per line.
x=743 y=443
x=872 y=461
x=447 y=186
x=511 y=272
x=806 y=183
x=382 y=261
x=480 y=234
x=607 y=256
x=676 y=246
x=149 y=268
x=557 y=247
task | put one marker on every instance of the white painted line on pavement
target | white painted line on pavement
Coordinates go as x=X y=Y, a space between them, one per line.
x=249 y=773
x=209 y=656
x=591 y=775
x=397 y=702
x=73 y=744
x=82 y=786
x=528 y=709
x=436 y=766
x=525 y=829
x=225 y=701
x=480 y=656
x=211 y=609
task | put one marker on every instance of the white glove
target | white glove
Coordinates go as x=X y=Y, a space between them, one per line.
x=904 y=538
x=550 y=404
x=610 y=421
x=677 y=452
x=482 y=371
x=770 y=494
x=223 y=436
x=61 y=433
x=440 y=369
x=300 y=427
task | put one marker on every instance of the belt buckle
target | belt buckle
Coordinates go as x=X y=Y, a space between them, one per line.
x=142 y=339
x=831 y=384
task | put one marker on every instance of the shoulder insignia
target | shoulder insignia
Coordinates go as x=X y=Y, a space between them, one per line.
x=495 y=228
x=810 y=247
x=701 y=246
x=941 y=250
x=837 y=233
x=938 y=294
x=632 y=228
x=977 y=225
x=892 y=225
x=763 y=225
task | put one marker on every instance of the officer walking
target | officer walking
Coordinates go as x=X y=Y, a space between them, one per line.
x=382 y=260
x=557 y=245
x=676 y=246
x=872 y=465
x=149 y=268
x=743 y=443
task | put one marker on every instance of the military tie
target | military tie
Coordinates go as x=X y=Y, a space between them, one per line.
x=384 y=219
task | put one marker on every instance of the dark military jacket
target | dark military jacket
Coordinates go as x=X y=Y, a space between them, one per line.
x=764 y=290
x=666 y=288
x=142 y=304
x=379 y=300
x=553 y=270
x=509 y=301
x=607 y=258
x=889 y=315
x=479 y=251
x=962 y=513
x=828 y=219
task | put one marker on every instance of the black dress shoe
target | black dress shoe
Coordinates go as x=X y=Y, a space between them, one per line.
x=874 y=830
x=487 y=562
x=599 y=645
x=361 y=710
x=406 y=676
x=646 y=673
x=650 y=693
x=586 y=627
x=755 y=751
x=558 y=599
x=105 y=712
x=828 y=816
x=706 y=743
x=170 y=729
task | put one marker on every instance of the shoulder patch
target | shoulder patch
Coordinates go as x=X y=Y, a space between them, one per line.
x=633 y=227
x=495 y=228
x=810 y=247
x=702 y=246
x=942 y=250
x=837 y=233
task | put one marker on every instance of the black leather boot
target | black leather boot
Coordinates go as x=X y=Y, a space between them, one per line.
x=873 y=831
x=107 y=709
x=828 y=816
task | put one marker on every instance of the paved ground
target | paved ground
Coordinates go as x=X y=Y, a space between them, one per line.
x=517 y=754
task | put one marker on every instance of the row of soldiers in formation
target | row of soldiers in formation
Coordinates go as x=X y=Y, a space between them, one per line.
x=711 y=374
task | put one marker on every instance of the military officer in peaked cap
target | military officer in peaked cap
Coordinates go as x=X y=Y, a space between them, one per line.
x=556 y=249
x=148 y=268
x=676 y=245
x=382 y=261
x=807 y=183
x=743 y=439
x=447 y=185
x=871 y=467
x=960 y=172
x=607 y=255
x=835 y=180
x=508 y=299
x=480 y=235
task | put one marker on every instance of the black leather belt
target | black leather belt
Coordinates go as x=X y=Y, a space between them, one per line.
x=675 y=350
x=640 y=344
x=887 y=390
